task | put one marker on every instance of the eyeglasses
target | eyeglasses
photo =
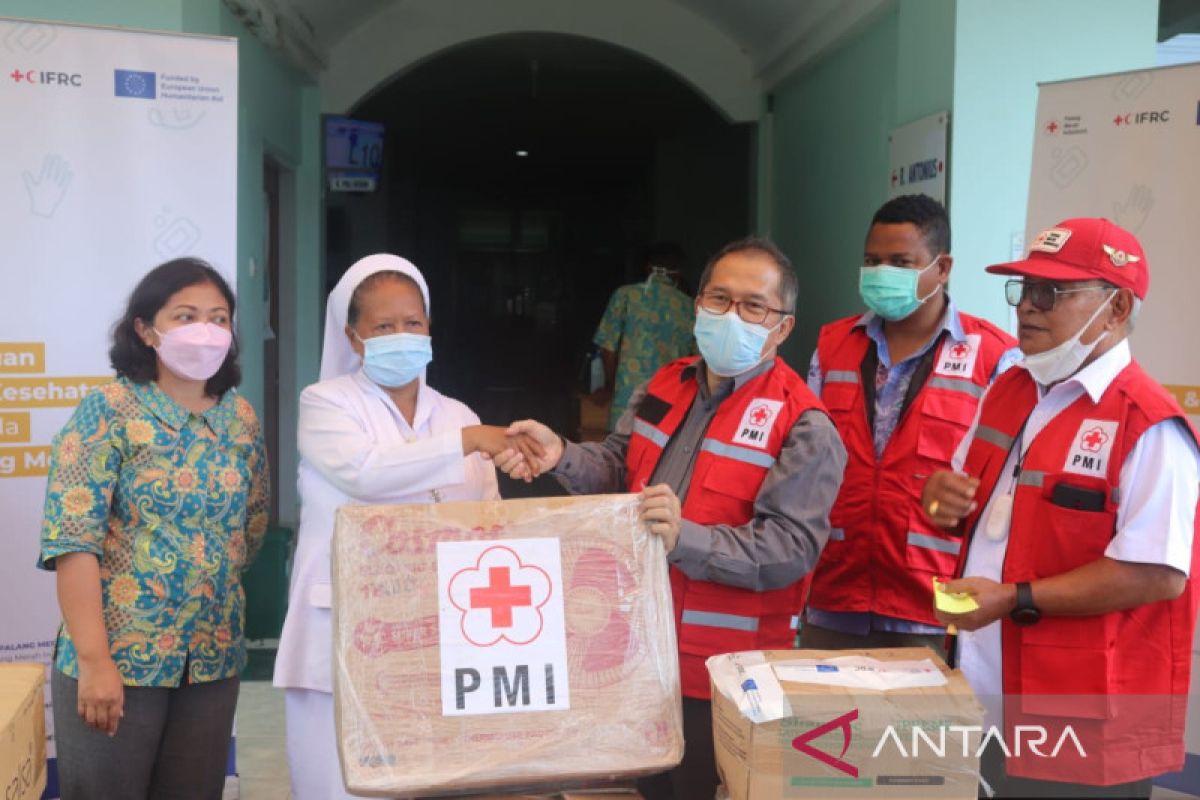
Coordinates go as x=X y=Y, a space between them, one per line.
x=753 y=311
x=1044 y=296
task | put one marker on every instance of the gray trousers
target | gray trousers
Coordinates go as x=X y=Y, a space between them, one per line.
x=172 y=743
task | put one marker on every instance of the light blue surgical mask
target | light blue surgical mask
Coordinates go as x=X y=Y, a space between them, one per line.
x=396 y=359
x=891 y=292
x=728 y=343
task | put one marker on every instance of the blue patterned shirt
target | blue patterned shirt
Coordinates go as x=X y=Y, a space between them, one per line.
x=174 y=506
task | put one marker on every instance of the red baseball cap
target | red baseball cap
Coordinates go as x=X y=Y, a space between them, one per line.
x=1083 y=249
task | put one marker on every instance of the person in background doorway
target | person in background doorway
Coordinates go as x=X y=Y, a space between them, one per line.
x=901 y=382
x=645 y=325
x=1076 y=490
x=371 y=431
x=737 y=464
x=156 y=503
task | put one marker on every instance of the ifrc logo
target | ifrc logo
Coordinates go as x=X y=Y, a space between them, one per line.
x=45 y=77
x=500 y=598
x=1142 y=118
x=1091 y=448
x=957 y=358
x=501 y=627
x=838 y=762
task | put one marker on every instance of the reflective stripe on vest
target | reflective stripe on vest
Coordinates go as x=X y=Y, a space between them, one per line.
x=841 y=376
x=1031 y=477
x=993 y=436
x=715 y=619
x=650 y=432
x=933 y=543
x=744 y=454
x=957 y=385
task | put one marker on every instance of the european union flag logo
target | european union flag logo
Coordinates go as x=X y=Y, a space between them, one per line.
x=131 y=83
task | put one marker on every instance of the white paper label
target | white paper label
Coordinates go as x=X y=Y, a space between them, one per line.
x=502 y=627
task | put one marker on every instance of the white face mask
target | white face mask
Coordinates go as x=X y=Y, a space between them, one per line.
x=1061 y=362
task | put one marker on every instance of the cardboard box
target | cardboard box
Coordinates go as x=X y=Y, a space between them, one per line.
x=480 y=647
x=22 y=731
x=824 y=740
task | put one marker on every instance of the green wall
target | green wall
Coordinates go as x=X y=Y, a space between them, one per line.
x=823 y=163
x=1006 y=48
x=829 y=148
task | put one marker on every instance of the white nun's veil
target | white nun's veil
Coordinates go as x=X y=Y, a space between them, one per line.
x=337 y=356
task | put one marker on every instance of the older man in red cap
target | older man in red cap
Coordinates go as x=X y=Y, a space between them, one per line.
x=1076 y=489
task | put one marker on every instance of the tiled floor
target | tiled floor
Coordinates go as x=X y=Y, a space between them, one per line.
x=261 y=754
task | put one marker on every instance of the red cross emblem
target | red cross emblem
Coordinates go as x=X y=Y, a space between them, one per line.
x=1051 y=127
x=760 y=416
x=1093 y=439
x=501 y=597
x=960 y=351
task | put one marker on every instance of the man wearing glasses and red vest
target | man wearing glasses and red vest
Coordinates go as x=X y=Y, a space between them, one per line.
x=738 y=465
x=1076 y=490
x=902 y=383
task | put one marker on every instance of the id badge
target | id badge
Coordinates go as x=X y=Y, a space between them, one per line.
x=997 y=524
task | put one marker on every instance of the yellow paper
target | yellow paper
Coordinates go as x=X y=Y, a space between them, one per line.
x=952 y=602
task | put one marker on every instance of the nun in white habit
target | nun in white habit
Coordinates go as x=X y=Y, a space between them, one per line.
x=371 y=431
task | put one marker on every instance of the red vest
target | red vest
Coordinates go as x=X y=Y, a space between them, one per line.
x=882 y=549
x=740 y=446
x=1119 y=679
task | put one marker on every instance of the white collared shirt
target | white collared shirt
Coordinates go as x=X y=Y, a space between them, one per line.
x=1159 y=484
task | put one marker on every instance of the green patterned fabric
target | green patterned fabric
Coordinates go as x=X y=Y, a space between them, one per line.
x=174 y=505
x=647 y=325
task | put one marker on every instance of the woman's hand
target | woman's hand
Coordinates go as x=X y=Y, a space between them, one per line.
x=101 y=696
x=534 y=449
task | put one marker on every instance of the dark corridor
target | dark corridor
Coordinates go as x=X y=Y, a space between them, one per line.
x=521 y=175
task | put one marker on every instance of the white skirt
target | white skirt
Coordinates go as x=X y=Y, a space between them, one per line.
x=312 y=747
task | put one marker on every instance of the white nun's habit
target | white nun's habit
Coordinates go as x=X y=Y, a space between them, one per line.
x=355 y=447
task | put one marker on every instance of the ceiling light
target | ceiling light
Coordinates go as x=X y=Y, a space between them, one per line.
x=522 y=153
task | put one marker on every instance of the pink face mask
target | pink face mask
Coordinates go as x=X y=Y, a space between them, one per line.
x=195 y=351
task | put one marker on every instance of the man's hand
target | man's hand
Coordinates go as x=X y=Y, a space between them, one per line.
x=662 y=513
x=101 y=700
x=995 y=601
x=532 y=450
x=948 y=498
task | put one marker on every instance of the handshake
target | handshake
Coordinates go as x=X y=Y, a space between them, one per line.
x=527 y=449
x=523 y=450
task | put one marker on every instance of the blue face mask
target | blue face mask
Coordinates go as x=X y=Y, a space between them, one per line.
x=891 y=292
x=729 y=344
x=397 y=359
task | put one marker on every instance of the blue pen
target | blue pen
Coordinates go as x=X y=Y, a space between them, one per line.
x=750 y=689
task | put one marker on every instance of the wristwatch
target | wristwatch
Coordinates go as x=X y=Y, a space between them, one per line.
x=1025 y=613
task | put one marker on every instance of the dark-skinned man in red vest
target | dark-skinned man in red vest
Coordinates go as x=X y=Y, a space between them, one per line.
x=1076 y=493
x=738 y=465
x=902 y=383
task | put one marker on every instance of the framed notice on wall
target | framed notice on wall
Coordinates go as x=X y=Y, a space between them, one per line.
x=917 y=157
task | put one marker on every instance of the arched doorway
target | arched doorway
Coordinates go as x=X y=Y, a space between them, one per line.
x=522 y=173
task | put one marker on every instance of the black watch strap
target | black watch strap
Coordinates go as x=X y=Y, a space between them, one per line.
x=1025 y=612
